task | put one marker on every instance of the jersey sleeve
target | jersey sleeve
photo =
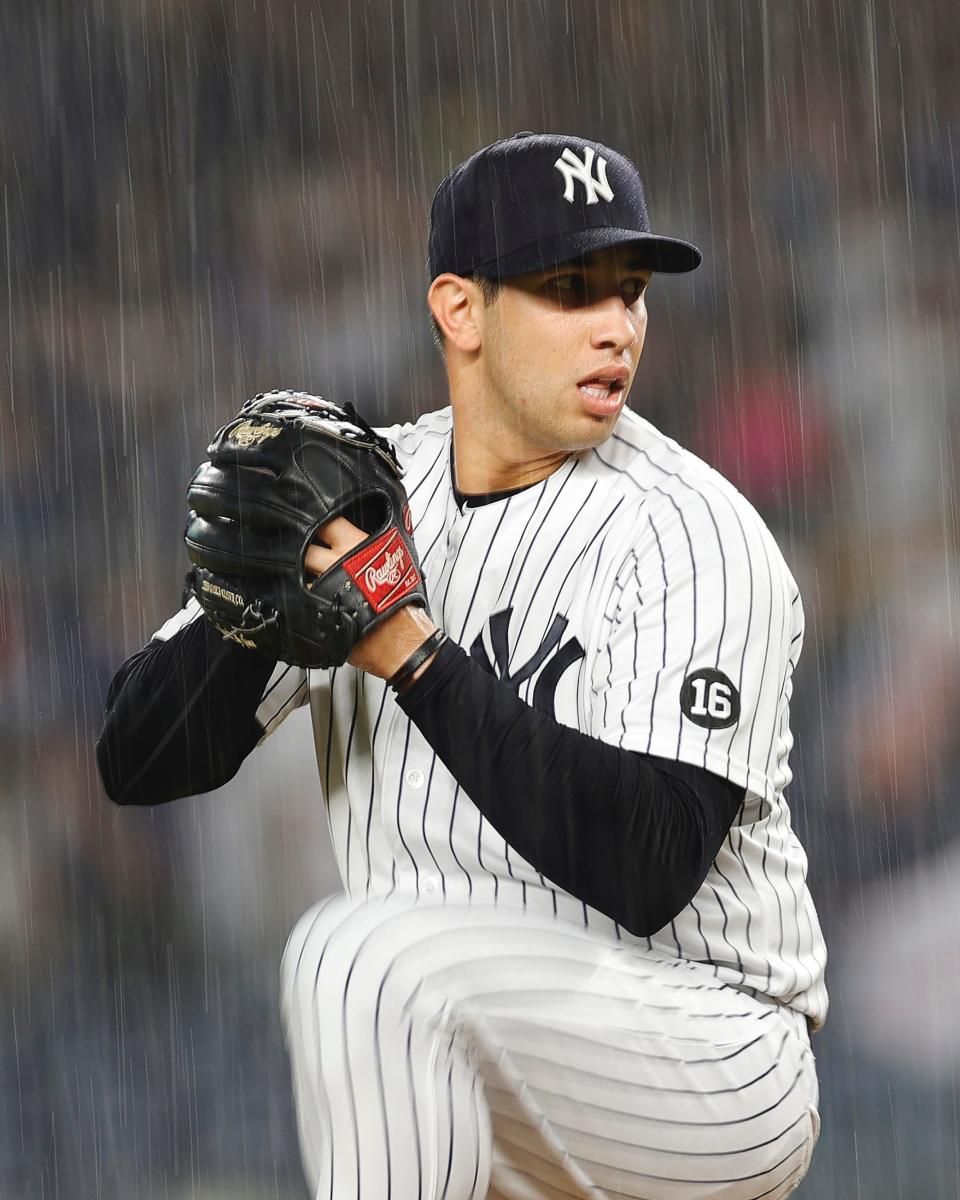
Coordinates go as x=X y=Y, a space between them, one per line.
x=700 y=635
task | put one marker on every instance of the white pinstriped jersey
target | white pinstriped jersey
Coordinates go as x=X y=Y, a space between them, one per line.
x=598 y=591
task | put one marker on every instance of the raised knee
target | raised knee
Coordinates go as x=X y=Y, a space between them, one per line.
x=307 y=942
x=363 y=957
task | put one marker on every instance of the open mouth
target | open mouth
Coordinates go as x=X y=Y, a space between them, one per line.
x=601 y=390
x=603 y=394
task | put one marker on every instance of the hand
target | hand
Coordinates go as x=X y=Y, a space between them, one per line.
x=248 y=531
x=387 y=647
x=331 y=542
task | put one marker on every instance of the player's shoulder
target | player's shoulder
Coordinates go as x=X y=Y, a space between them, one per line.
x=678 y=488
x=648 y=460
x=413 y=438
x=657 y=468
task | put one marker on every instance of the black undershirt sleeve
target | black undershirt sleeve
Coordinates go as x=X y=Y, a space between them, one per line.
x=180 y=716
x=629 y=834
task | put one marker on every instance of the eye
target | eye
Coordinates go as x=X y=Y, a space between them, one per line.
x=567 y=284
x=568 y=290
x=632 y=289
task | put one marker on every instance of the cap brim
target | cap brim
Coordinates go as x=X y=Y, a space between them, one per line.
x=669 y=255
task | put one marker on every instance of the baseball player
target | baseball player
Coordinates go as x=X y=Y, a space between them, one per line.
x=575 y=953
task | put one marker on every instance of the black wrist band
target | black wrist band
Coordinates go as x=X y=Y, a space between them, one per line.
x=417 y=659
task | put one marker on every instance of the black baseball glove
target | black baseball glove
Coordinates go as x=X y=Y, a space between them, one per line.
x=288 y=463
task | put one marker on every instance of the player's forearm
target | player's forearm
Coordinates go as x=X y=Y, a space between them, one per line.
x=180 y=717
x=631 y=835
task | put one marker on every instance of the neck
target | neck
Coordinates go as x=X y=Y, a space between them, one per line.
x=481 y=468
x=491 y=457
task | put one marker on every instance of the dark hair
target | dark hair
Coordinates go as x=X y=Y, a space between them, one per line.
x=490 y=289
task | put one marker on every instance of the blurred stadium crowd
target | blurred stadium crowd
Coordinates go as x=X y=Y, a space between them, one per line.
x=203 y=199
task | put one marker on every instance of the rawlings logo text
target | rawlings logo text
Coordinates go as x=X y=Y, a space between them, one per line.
x=248 y=434
x=384 y=571
x=388 y=572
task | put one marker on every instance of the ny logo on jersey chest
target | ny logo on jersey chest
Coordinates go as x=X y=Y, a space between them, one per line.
x=557 y=658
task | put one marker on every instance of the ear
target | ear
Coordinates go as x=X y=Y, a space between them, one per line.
x=456 y=304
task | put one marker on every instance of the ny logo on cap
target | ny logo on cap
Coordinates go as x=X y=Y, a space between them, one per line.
x=571 y=168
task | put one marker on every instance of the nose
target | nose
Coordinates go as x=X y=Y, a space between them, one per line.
x=616 y=327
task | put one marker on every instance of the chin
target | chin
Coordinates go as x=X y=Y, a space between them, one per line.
x=602 y=426
x=593 y=431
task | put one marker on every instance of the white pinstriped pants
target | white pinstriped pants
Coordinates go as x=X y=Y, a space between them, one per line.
x=447 y=1052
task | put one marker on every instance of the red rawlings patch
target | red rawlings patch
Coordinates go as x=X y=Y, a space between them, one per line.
x=383 y=571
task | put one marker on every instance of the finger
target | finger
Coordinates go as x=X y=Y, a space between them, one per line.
x=340 y=534
x=317 y=560
x=331 y=542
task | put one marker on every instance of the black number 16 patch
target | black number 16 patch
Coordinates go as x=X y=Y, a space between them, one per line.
x=708 y=698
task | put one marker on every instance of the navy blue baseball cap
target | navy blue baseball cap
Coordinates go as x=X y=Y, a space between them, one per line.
x=536 y=199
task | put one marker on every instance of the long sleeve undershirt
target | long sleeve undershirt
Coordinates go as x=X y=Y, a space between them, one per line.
x=181 y=716
x=629 y=834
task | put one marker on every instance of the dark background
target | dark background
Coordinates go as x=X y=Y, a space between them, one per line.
x=203 y=199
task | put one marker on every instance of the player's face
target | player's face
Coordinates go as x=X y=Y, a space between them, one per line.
x=560 y=348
